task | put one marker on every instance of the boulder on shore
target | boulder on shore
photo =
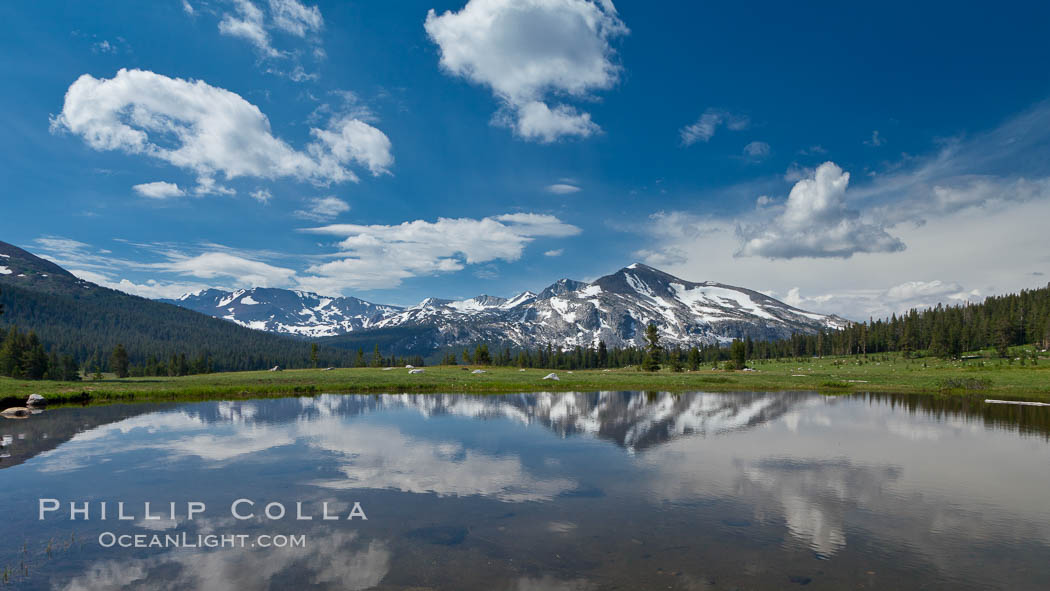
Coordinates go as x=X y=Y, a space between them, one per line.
x=415 y=371
x=36 y=400
x=16 y=412
x=479 y=371
x=551 y=376
x=275 y=368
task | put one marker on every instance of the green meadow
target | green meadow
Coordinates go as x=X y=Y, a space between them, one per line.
x=986 y=377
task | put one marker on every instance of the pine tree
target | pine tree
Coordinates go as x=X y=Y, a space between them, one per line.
x=118 y=361
x=939 y=340
x=377 y=359
x=313 y=354
x=738 y=354
x=481 y=355
x=70 y=370
x=676 y=360
x=11 y=353
x=652 y=350
x=34 y=359
x=1004 y=337
x=603 y=354
x=694 y=359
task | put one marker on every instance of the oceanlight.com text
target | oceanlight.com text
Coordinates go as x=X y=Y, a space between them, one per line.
x=186 y=540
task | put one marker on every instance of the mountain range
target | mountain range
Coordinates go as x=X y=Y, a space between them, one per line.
x=615 y=308
x=84 y=318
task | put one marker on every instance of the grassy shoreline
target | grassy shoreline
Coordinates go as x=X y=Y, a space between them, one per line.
x=882 y=373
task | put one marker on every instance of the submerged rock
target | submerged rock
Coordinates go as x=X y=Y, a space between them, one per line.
x=16 y=412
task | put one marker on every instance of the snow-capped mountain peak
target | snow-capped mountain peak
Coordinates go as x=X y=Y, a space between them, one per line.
x=614 y=308
x=288 y=312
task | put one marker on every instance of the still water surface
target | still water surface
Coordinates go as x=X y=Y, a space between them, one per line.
x=568 y=491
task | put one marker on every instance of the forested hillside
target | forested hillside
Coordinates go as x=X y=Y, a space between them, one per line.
x=69 y=316
x=997 y=323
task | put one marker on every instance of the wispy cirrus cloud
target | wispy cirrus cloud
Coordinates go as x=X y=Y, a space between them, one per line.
x=322 y=209
x=168 y=266
x=247 y=23
x=704 y=128
x=366 y=256
x=381 y=256
x=562 y=189
x=256 y=22
x=757 y=150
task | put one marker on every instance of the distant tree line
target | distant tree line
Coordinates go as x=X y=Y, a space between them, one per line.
x=377 y=359
x=652 y=357
x=998 y=323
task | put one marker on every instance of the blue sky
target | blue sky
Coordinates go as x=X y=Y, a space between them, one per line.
x=848 y=159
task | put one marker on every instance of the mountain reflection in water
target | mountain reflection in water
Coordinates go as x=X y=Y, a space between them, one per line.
x=552 y=491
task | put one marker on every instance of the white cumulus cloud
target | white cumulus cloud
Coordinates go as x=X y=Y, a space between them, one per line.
x=816 y=222
x=210 y=130
x=354 y=140
x=527 y=50
x=159 y=190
